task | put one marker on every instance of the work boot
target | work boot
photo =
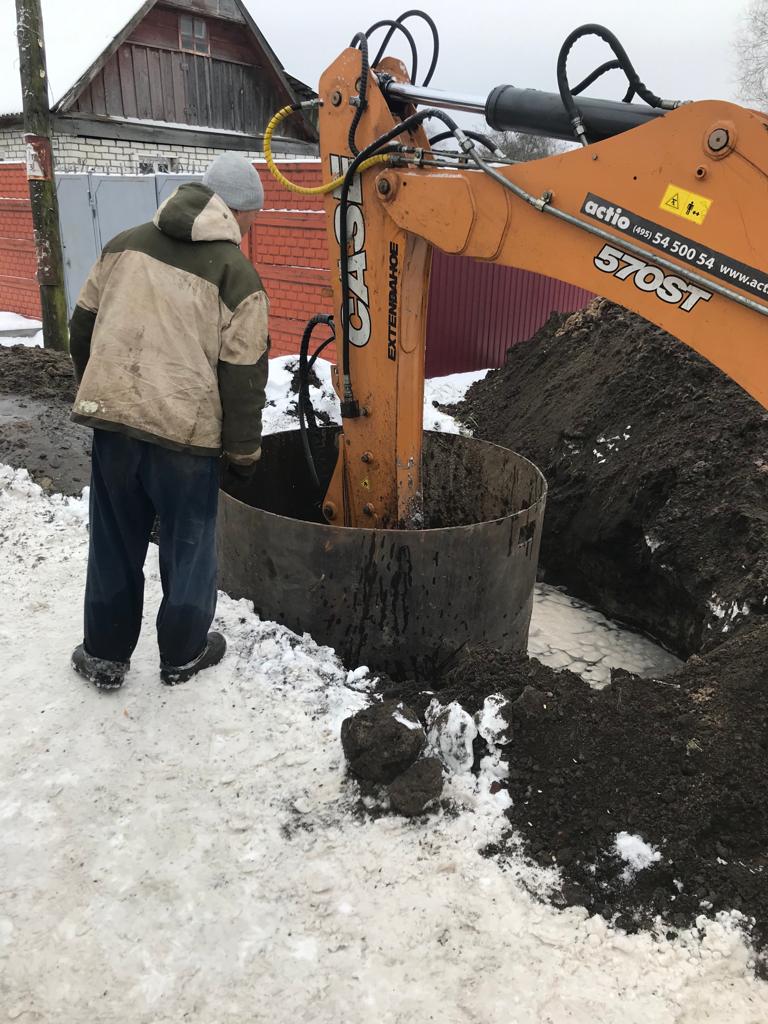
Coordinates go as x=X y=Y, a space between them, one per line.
x=211 y=655
x=105 y=675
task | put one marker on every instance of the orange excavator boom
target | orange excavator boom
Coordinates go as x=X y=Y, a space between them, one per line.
x=664 y=214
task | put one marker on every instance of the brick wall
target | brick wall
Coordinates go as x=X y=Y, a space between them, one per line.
x=75 y=154
x=289 y=247
x=18 y=287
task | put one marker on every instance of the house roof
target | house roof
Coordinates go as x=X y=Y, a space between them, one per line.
x=77 y=35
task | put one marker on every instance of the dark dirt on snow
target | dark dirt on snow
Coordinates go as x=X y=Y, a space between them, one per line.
x=657 y=513
x=37 y=388
x=682 y=762
x=665 y=528
x=657 y=466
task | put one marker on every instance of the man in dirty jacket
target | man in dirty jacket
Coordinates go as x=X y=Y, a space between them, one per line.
x=170 y=347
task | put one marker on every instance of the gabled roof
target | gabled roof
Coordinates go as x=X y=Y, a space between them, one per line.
x=80 y=37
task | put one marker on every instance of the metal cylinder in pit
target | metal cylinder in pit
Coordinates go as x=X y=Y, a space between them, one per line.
x=404 y=602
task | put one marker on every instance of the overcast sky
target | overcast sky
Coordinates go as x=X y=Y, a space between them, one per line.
x=682 y=49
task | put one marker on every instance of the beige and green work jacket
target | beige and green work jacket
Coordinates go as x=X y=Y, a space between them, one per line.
x=169 y=336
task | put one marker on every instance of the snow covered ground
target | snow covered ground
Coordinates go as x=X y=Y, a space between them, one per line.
x=280 y=412
x=10 y=322
x=194 y=854
x=30 y=340
x=20 y=330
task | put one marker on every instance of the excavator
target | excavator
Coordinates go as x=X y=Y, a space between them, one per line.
x=660 y=206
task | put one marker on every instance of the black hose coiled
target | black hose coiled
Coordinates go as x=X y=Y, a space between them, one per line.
x=348 y=403
x=636 y=87
x=395 y=26
x=435 y=42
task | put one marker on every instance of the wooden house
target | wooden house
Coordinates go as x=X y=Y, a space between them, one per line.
x=181 y=81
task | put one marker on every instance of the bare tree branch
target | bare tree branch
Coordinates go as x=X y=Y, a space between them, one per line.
x=751 y=47
x=517 y=146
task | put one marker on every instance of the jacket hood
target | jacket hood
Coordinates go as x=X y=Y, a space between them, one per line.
x=196 y=214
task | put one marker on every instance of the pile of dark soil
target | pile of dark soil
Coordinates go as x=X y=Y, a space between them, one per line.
x=37 y=373
x=37 y=388
x=682 y=762
x=657 y=466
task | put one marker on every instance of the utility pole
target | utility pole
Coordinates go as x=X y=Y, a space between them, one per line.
x=42 y=183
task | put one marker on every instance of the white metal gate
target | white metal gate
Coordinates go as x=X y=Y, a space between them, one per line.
x=93 y=208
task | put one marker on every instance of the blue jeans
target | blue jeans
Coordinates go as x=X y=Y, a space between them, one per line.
x=131 y=482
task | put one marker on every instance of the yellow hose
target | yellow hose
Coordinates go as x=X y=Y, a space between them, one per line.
x=317 y=190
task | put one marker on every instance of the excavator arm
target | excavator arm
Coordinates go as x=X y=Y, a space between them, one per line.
x=666 y=218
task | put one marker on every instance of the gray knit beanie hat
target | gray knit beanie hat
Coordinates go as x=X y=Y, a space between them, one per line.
x=236 y=181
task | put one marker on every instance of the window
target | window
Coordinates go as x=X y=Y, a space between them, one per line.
x=193 y=34
x=157 y=163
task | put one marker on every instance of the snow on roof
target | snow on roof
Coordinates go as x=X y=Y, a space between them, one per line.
x=76 y=33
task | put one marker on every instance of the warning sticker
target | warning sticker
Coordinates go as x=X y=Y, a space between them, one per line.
x=688 y=205
x=682 y=248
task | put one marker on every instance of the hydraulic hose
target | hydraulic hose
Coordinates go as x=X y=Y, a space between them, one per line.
x=484 y=140
x=636 y=87
x=435 y=43
x=360 y=39
x=395 y=26
x=315 y=190
x=307 y=419
x=349 y=406
x=319 y=350
x=610 y=65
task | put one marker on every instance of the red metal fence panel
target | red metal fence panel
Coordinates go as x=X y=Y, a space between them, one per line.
x=478 y=310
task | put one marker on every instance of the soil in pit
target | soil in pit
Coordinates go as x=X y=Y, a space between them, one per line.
x=37 y=388
x=657 y=467
x=681 y=762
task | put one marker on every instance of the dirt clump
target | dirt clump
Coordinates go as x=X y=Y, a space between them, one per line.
x=657 y=466
x=417 y=788
x=382 y=741
x=383 y=744
x=680 y=762
x=37 y=388
x=37 y=373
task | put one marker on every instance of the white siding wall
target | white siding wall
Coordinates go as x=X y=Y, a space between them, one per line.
x=108 y=156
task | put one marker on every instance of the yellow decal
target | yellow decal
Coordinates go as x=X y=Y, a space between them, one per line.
x=685 y=204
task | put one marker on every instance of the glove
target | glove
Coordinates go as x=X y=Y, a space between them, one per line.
x=242 y=466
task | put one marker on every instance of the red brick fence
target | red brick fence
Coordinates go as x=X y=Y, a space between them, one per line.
x=290 y=249
x=18 y=287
